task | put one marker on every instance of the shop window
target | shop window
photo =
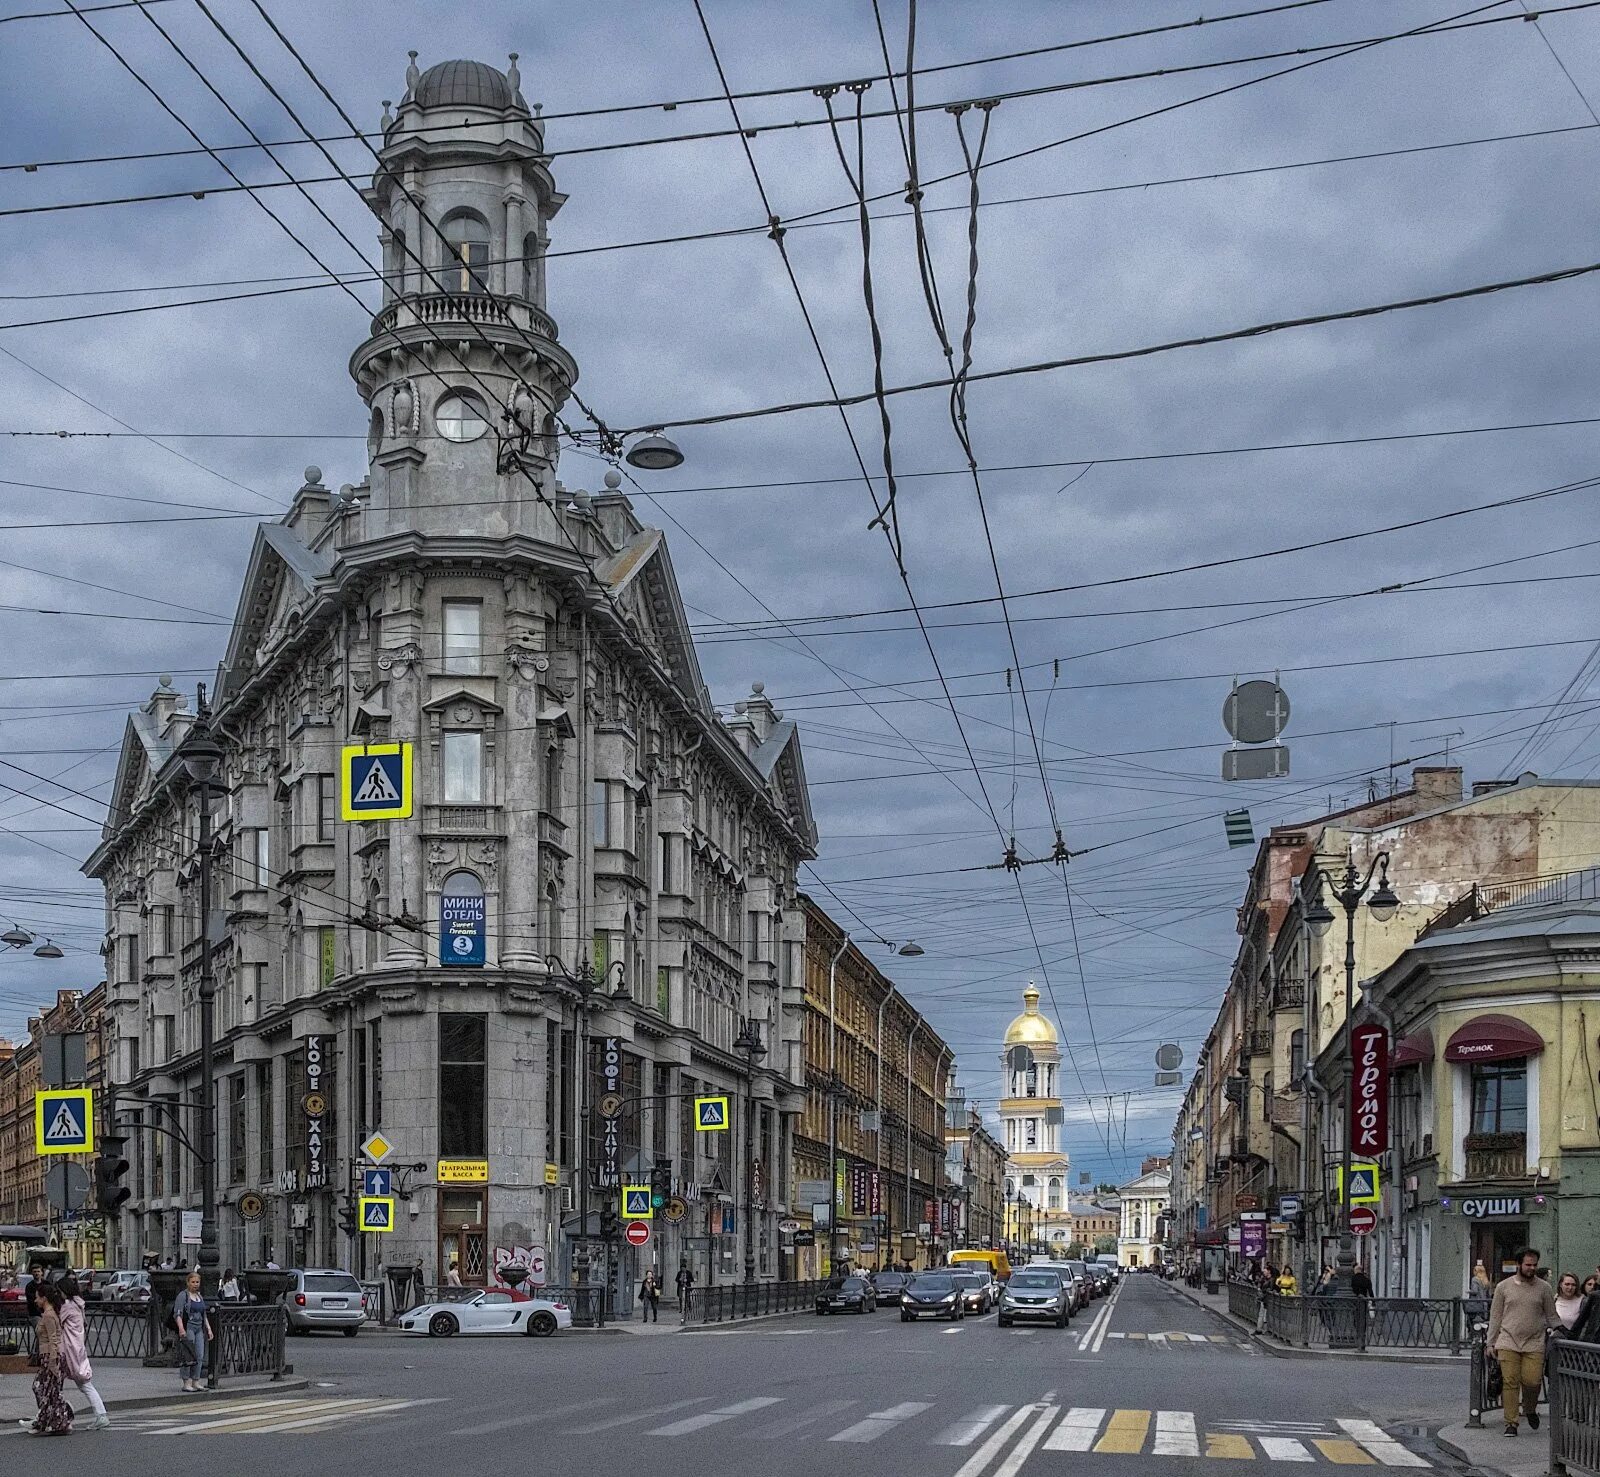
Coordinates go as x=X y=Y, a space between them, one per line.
x=1499 y=1097
x=463 y=1086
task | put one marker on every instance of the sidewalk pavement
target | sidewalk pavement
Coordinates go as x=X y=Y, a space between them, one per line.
x=126 y=1386
x=1487 y=1450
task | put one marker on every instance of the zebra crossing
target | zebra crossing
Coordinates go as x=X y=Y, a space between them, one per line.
x=1037 y=1434
x=266 y=1416
x=1177 y=1340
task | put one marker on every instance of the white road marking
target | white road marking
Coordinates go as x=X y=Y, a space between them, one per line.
x=1284 y=1449
x=1024 y=1447
x=967 y=1430
x=978 y=1463
x=1175 y=1435
x=1111 y=1305
x=1382 y=1445
x=955 y=1330
x=869 y=1428
x=612 y=1422
x=715 y=1417
x=1077 y=1429
x=255 y=1425
x=529 y=1416
x=779 y=1429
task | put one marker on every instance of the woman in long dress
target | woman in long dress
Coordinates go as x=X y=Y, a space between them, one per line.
x=55 y=1415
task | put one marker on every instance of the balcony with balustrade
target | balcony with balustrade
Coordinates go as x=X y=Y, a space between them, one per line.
x=434 y=310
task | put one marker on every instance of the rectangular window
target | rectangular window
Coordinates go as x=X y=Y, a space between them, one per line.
x=463 y=1086
x=569 y=1057
x=551 y=1110
x=327 y=956
x=463 y=769
x=463 y=636
x=163 y=929
x=236 y=1129
x=1499 y=1097
x=166 y=1037
x=666 y=864
x=377 y=1074
x=266 y=1168
x=601 y=808
x=325 y=819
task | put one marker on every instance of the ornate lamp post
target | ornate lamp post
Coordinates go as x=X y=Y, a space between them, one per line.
x=748 y=1045
x=1348 y=892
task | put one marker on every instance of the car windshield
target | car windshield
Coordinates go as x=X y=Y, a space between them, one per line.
x=851 y=1284
x=934 y=1284
x=1078 y=1268
x=967 y=1279
x=332 y=1282
x=1044 y=1280
x=891 y=1279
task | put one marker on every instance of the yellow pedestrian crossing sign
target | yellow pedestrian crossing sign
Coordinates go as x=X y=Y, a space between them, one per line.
x=377 y=1212
x=63 y=1120
x=710 y=1114
x=636 y=1204
x=1364 y=1186
x=375 y=782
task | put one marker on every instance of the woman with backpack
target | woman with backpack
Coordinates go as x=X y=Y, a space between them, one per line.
x=75 y=1364
x=192 y=1319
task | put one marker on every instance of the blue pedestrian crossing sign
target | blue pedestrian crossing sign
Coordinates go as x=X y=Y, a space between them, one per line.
x=63 y=1120
x=375 y=782
x=636 y=1204
x=377 y=1212
x=710 y=1114
x=1364 y=1187
x=377 y=1182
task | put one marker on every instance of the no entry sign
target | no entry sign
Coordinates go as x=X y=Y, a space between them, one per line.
x=638 y=1233
x=1363 y=1220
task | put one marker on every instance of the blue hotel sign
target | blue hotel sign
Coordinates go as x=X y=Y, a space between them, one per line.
x=462 y=930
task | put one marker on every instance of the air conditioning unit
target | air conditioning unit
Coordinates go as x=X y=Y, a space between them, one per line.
x=568 y=1199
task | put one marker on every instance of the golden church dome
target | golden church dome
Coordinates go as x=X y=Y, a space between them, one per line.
x=1030 y=1028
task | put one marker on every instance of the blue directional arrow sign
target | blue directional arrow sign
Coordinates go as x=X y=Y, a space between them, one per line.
x=377 y=1182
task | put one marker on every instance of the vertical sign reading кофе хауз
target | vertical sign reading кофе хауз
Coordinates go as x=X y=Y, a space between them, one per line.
x=609 y=1175
x=315 y=1106
x=1369 y=1064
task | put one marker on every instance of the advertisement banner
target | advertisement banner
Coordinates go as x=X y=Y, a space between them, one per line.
x=1253 y=1238
x=609 y=1175
x=877 y=1193
x=315 y=1106
x=1369 y=1118
x=840 y=1187
x=858 y=1189
x=463 y=929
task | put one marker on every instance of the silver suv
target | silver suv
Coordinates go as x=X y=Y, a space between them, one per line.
x=325 y=1297
x=1036 y=1292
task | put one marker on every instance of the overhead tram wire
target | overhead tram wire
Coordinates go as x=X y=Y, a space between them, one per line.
x=817 y=656
x=882 y=509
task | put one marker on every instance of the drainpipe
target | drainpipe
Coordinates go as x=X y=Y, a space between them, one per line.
x=833 y=1105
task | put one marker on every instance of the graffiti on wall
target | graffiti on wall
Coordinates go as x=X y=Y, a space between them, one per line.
x=531 y=1257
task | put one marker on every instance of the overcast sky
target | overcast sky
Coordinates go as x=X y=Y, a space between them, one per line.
x=248 y=392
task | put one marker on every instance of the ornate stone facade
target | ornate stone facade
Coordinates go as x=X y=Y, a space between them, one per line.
x=531 y=646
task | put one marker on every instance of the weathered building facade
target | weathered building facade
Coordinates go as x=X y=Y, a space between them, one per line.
x=975 y=1170
x=595 y=888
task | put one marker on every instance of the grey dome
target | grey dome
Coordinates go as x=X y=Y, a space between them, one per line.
x=465 y=84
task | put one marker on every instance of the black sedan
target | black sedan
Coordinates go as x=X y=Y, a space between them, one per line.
x=889 y=1285
x=847 y=1295
x=932 y=1295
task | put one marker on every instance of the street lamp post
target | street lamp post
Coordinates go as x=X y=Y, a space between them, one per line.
x=748 y=1045
x=1382 y=904
x=201 y=756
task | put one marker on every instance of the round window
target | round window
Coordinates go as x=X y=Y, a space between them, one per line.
x=460 y=417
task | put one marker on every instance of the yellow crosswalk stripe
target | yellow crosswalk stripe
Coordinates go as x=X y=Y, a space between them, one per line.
x=1136 y=1335
x=1225 y=1444
x=1125 y=1432
x=1345 y=1453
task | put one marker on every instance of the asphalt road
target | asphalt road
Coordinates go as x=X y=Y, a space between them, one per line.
x=1146 y=1383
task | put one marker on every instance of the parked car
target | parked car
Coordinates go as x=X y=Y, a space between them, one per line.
x=932 y=1295
x=1104 y=1278
x=132 y=1286
x=888 y=1285
x=978 y=1290
x=1083 y=1289
x=485 y=1313
x=324 y=1297
x=847 y=1295
x=1035 y=1293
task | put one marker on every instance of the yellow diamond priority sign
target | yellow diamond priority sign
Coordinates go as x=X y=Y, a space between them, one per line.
x=377 y=1148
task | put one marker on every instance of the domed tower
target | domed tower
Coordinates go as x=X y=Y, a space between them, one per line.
x=463 y=196
x=1037 y=1167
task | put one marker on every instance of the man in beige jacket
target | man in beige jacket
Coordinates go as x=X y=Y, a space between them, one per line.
x=1523 y=1311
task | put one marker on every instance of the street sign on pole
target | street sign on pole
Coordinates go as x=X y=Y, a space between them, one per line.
x=1363 y=1219
x=375 y=782
x=710 y=1114
x=377 y=1182
x=638 y=1233
x=66 y=1187
x=1256 y=712
x=636 y=1203
x=1364 y=1185
x=377 y=1148
x=377 y=1212
x=63 y=1120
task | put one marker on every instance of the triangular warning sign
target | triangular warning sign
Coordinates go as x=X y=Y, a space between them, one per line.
x=65 y=1127
x=377 y=1217
x=1360 y=1182
x=377 y=788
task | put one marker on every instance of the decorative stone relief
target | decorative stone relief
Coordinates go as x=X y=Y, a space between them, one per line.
x=485 y=856
x=441 y=858
x=405 y=410
x=399 y=659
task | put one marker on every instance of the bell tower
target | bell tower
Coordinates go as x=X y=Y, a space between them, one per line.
x=463 y=372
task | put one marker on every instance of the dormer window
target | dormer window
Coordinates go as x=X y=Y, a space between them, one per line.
x=467 y=266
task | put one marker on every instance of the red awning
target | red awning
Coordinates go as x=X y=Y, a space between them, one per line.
x=1490 y=1038
x=1409 y=1050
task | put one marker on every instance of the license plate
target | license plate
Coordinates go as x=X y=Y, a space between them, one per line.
x=335 y=1302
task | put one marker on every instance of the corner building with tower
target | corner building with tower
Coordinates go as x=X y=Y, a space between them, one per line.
x=621 y=858
x=1038 y=1169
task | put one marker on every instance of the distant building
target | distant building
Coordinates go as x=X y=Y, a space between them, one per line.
x=975 y=1166
x=1094 y=1223
x=1037 y=1167
x=1141 y=1239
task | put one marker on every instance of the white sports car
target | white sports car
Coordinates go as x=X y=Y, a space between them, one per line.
x=488 y=1312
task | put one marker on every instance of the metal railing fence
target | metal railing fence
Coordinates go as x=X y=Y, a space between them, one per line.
x=1332 y=1322
x=250 y=1339
x=736 y=1300
x=1573 y=1372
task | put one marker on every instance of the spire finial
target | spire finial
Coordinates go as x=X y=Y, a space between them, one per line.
x=513 y=76
x=387 y=119
x=413 y=75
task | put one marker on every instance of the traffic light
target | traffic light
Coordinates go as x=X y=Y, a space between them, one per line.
x=347 y=1216
x=610 y=1225
x=110 y=1167
x=660 y=1183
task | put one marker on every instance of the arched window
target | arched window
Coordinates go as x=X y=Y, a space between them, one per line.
x=530 y=267
x=1138 y=1227
x=395 y=265
x=1053 y=1194
x=460 y=416
x=463 y=919
x=466 y=268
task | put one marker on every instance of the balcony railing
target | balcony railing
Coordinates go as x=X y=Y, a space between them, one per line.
x=1289 y=995
x=455 y=307
x=471 y=820
x=1496 y=1156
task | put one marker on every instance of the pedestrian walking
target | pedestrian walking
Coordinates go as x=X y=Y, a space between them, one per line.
x=685 y=1281
x=33 y=1295
x=650 y=1298
x=228 y=1290
x=1360 y=1282
x=75 y=1364
x=55 y=1415
x=1481 y=1285
x=1287 y=1284
x=452 y=1278
x=192 y=1318
x=1569 y=1299
x=1522 y=1313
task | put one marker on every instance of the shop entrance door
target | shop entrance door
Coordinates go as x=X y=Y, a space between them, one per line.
x=1496 y=1244
x=464 y=1235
